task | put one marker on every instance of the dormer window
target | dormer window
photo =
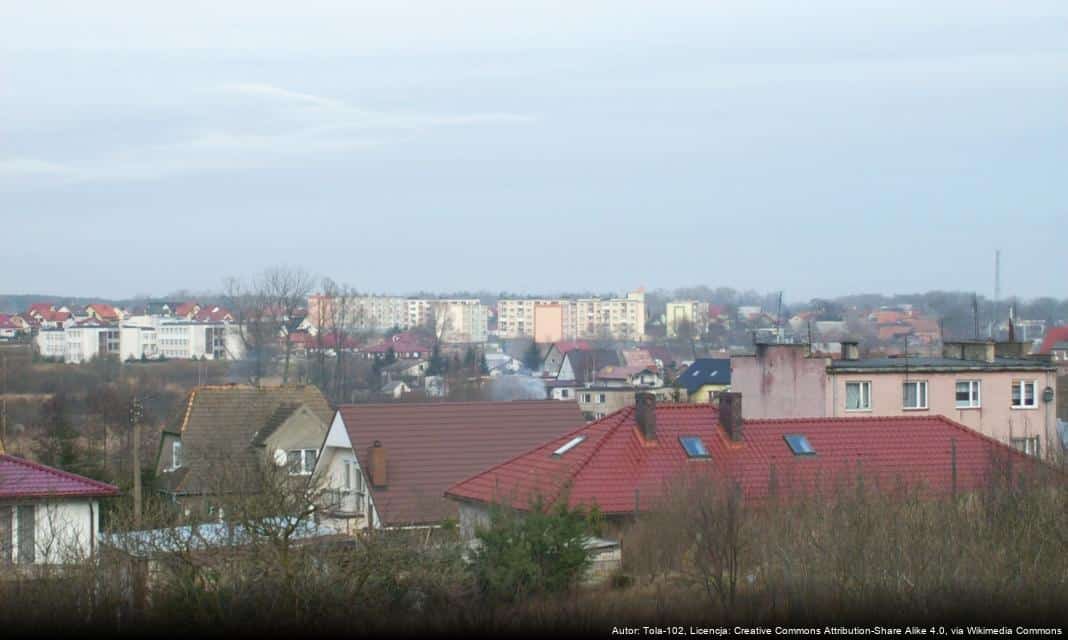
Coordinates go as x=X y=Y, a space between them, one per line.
x=799 y=445
x=694 y=446
x=569 y=445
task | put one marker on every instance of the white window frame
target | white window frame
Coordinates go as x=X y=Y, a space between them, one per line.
x=918 y=385
x=176 y=454
x=975 y=394
x=303 y=469
x=1028 y=445
x=587 y=397
x=1023 y=396
x=863 y=393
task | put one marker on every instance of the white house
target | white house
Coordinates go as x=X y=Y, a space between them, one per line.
x=47 y=516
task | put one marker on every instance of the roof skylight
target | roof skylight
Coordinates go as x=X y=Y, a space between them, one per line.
x=799 y=444
x=569 y=445
x=694 y=446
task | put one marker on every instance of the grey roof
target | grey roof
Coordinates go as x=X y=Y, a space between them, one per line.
x=939 y=364
x=149 y=542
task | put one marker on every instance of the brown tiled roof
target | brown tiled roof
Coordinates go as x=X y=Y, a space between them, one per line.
x=223 y=424
x=433 y=445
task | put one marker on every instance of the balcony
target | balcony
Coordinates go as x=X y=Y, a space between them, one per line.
x=343 y=502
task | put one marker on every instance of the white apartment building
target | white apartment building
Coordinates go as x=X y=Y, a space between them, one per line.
x=686 y=312
x=456 y=320
x=150 y=337
x=52 y=343
x=85 y=342
x=549 y=320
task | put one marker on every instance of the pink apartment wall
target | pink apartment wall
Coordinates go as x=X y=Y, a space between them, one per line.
x=995 y=417
x=780 y=381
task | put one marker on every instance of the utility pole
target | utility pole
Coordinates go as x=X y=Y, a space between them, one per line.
x=136 y=412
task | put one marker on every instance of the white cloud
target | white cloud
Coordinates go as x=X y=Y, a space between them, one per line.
x=272 y=125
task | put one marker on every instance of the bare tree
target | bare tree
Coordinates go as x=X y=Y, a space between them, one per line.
x=253 y=325
x=286 y=289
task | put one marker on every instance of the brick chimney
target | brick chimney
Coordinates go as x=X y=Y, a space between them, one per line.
x=730 y=414
x=377 y=463
x=645 y=414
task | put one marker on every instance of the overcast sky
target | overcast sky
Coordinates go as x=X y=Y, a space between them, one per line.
x=819 y=147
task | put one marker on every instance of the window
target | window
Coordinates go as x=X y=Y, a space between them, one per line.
x=587 y=397
x=348 y=475
x=799 y=444
x=569 y=445
x=1026 y=445
x=602 y=398
x=858 y=396
x=914 y=394
x=27 y=534
x=694 y=447
x=301 y=462
x=1023 y=394
x=176 y=454
x=968 y=394
x=6 y=535
x=564 y=393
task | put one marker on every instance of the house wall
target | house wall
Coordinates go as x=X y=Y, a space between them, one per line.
x=780 y=381
x=64 y=530
x=704 y=393
x=303 y=430
x=995 y=417
x=358 y=505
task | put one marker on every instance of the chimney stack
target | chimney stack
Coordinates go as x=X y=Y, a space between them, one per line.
x=377 y=462
x=850 y=350
x=645 y=413
x=730 y=414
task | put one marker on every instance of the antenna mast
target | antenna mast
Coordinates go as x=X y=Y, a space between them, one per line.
x=997 y=290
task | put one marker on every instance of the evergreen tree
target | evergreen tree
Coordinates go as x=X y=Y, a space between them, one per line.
x=532 y=357
x=436 y=366
x=483 y=366
x=58 y=445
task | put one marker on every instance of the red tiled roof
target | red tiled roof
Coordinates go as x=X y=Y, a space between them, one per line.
x=433 y=445
x=569 y=345
x=103 y=311
x=614 y=463
x=212 y=314
x=6 y=323
x=185 y=309
x=21 y=478
x=1054 y=335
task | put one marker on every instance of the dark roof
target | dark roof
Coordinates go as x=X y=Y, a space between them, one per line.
x=614 y=463
x=432 y=445
x=938 y=364
x=587 y=362
x=705 y=371
x=20 y=478
x=224 y=424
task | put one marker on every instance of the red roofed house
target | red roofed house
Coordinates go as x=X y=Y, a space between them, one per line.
x=212 y=314
x=47 y=516
x=103 y=312
x=388 y=465
x=8 y=328
x=626 y=462
x=1055 y=344
x=407 y=344
x=187 y=310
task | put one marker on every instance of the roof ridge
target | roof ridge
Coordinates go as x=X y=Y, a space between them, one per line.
x=58 y=472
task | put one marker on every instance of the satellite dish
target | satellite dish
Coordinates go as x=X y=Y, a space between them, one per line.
x=280 y=457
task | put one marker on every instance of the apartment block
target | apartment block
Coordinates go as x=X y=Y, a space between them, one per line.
x=551 y=320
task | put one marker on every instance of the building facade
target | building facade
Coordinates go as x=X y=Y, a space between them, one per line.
x=552 y=320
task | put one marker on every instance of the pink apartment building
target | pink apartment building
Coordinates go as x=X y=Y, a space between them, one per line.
x=989 y=387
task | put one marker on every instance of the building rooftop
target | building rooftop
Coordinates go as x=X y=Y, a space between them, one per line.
x=925 y=363
x=609 y=463
x=20 y=478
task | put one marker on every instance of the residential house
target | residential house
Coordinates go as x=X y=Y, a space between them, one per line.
x=554 y=356
x=103 y=313
x=406 y=370
x=600 y=399
x=47 y=516
x=627 y=462
x=8 y=329
x=223 y=433
x=408 y=345
x=645 y=376
x=388 y=465
x=705 y=379
x=396 y=389
x=578 y=369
